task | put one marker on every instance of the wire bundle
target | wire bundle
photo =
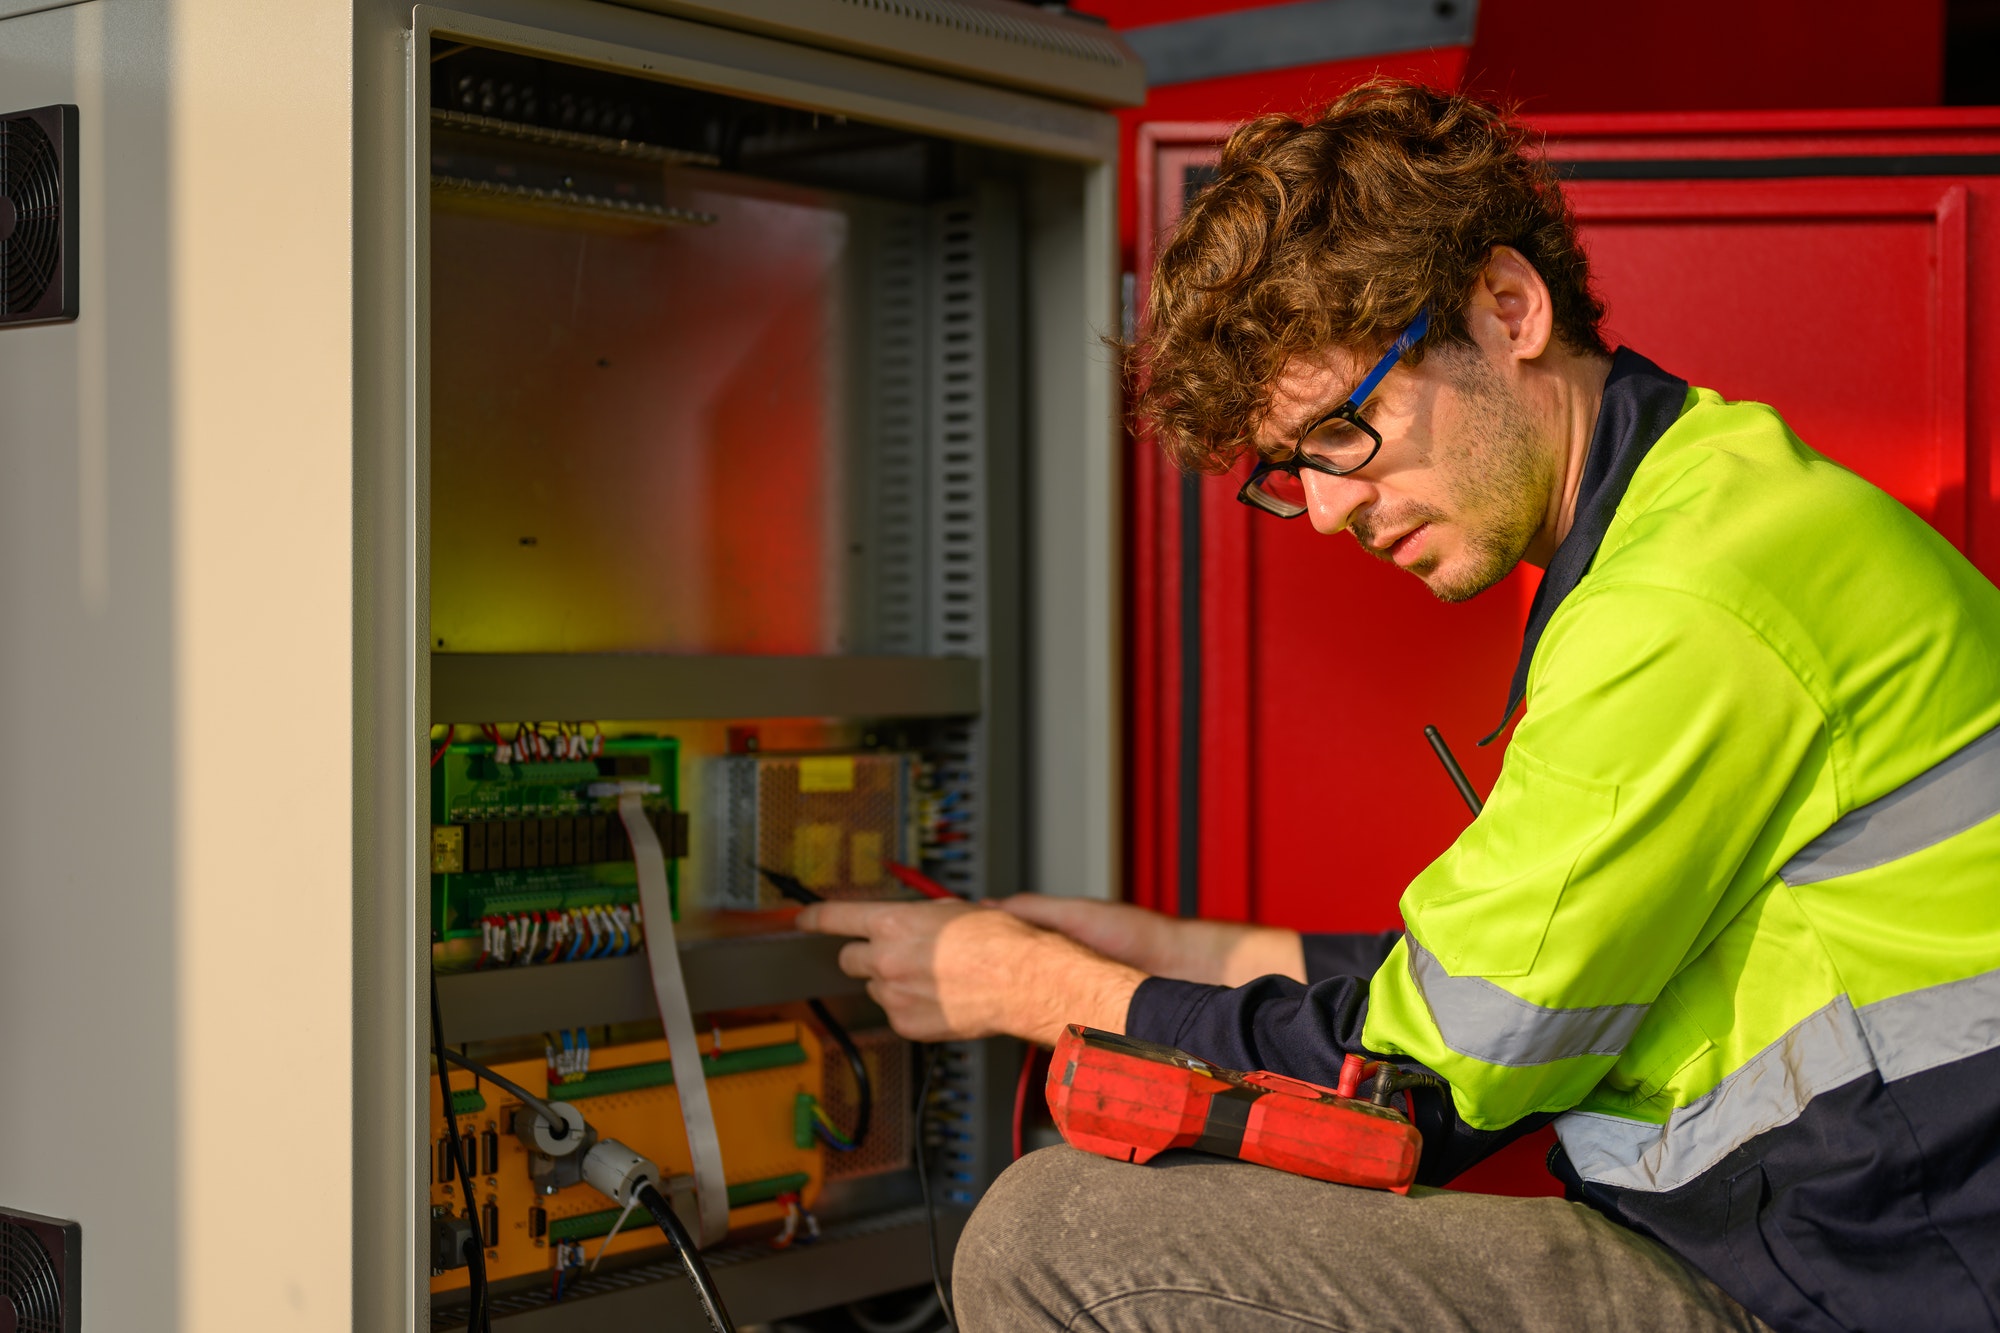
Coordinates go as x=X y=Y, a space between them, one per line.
x=559 y=935
x=930 y=1057
x=481 y=1313
x=864 y=1087
x=944 y=809
x=828 y=1132
x=535 y=743
x=570 y=1063
x=801 y=1227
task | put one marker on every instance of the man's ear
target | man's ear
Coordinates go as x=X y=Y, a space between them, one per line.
x=1510 y=313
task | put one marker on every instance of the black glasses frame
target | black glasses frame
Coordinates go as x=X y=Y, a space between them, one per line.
x=1349 y=411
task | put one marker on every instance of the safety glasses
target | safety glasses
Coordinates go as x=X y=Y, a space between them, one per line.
x=1336 y=442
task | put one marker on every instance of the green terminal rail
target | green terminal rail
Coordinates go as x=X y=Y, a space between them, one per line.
x=660 y=1073
x=588 y=1226
x=653 y=1074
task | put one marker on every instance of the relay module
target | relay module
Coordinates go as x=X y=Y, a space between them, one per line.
x=529 y=860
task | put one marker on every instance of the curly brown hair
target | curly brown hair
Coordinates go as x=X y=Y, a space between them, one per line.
x=1335 y=232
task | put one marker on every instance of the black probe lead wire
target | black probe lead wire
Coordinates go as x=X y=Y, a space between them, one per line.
x=864 y=1089
x=697 y=1271
x=1453 y=771
x=930 y=1058
x=480 y=1314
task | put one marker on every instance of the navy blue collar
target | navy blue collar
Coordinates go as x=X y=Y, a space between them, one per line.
x=1640 y=402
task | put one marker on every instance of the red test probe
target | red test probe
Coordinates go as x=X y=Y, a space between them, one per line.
x=1132 y=1100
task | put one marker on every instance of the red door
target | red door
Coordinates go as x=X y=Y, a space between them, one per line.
x=1827 y=263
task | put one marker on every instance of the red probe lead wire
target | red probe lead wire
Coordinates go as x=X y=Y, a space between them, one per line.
x=911 y=878
x=1021 y=1095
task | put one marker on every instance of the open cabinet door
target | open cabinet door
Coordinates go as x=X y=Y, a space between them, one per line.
x=1828 y=263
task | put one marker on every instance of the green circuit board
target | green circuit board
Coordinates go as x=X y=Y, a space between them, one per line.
x=523 y=841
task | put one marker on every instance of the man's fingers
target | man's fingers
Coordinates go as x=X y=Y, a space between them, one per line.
x=878 y=920
x=912 y=1020
x=858 y=959
x=843 y=918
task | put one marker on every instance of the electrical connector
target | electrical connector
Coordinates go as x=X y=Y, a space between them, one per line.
x=451 y=1237
x=616 y=1171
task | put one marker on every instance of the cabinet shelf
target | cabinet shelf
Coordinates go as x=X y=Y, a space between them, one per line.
x=487 y=687
x=850 y=1261
x=722 y=972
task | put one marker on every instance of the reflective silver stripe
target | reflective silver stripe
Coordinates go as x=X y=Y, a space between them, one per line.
x=1832 y=1046
x=1479 y=1019
x=1933 y=1026
x=1941 y=802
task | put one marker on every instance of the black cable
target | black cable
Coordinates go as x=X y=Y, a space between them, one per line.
x=864 y=1088
x=924 y=1185
x=479 y=1313
x=558 y=1127
x=697 y=1271
x=1389 y=1080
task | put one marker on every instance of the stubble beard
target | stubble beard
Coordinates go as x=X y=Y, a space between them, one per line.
x=1498 y=487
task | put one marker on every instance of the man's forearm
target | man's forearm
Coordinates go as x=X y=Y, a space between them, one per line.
x=1225 y=953
x=1062 y=982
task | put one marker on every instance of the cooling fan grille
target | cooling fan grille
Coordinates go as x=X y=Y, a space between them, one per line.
x=28 y=1282
x=38 y=1274
x=37 y=221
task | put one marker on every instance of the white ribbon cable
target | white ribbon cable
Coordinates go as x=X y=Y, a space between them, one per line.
x=670 y=992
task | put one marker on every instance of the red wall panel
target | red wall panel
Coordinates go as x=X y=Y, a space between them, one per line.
x=1652 y=55
x=1841 y=303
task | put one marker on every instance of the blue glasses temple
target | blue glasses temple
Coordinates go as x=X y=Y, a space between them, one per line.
x=1410 y=337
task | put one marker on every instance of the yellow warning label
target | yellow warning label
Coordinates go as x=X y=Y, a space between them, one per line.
x=864 y=860
x=831 y=772
x=816 y=852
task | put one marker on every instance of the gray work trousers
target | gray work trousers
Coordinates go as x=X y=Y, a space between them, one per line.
x=1067 y=1240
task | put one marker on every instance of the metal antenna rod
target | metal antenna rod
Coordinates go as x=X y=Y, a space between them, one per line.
x=1457 y=774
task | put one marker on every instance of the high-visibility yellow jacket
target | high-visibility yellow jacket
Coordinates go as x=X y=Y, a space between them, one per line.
x=1732 y=912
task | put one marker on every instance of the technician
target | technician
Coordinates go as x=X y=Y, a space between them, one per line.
x=1731 y=916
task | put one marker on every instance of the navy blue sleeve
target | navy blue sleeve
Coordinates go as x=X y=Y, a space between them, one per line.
x=1346 y=955
x=1302 y=1031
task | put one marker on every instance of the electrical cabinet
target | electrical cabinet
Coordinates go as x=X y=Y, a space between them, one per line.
x=468 y=411
x=764 y=456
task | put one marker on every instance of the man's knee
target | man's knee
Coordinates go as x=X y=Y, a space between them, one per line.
x=1010 y=1270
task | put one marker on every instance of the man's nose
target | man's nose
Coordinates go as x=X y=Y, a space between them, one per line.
x=1331 y=501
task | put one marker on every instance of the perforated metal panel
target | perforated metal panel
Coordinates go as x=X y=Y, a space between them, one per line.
x=887 y=1147
x=830 y=820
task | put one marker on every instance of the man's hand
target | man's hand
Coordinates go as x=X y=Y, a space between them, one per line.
x=954 y=971
x=1219 y=953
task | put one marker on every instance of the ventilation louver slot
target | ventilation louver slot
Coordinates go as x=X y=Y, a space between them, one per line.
x=39 y=1286
x=38 y=237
